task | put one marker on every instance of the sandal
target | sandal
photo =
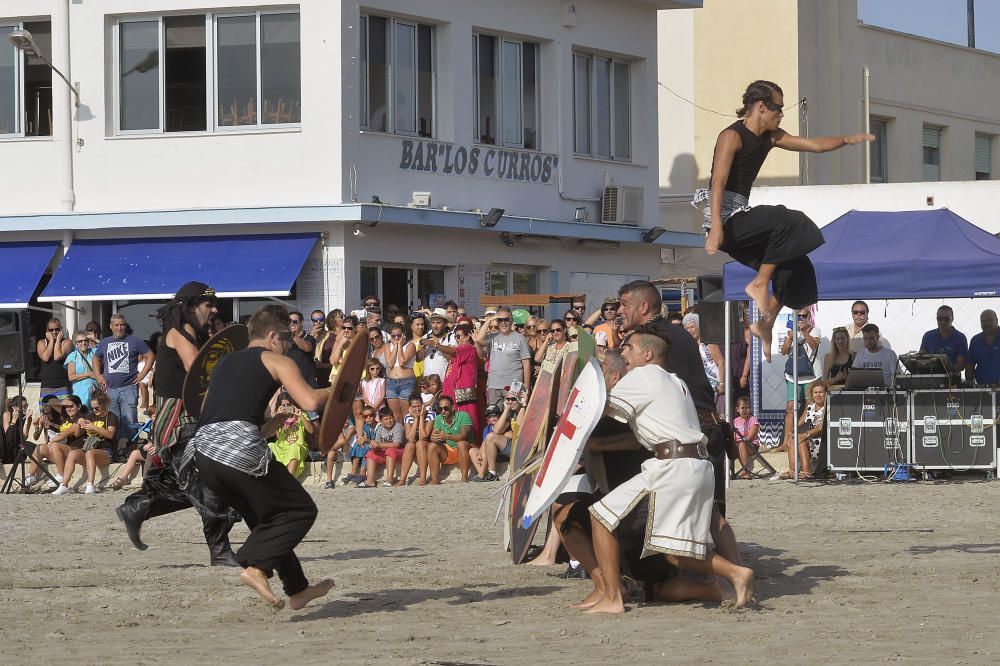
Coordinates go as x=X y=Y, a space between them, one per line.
x=364 y=485
x=785 y=476
x=745 y=475
x=119 y=483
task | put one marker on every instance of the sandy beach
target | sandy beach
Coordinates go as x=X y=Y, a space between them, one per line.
x=846 y=572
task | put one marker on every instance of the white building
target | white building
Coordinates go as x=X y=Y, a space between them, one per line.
x=386 y=132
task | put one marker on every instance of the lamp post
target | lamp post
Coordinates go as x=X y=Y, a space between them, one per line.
x=23 y=41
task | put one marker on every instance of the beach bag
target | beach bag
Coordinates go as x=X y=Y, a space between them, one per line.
x=803 y=360
x=463 y=395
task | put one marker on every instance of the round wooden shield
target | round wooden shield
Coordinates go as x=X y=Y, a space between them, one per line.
x=341 y=400
x=230 y=339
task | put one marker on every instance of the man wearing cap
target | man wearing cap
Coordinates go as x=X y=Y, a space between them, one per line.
x=499 y=434
x=439 y=344
x=185 y=329
x=606 y=332
x=509 y=355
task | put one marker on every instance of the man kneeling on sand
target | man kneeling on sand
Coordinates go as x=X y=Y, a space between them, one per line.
x=678 y=482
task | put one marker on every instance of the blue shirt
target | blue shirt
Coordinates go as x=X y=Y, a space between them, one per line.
x=954 y=346
x=985 y=358
x=82 y=363
x=120 y=359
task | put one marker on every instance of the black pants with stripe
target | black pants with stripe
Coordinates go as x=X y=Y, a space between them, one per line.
x=276 y=508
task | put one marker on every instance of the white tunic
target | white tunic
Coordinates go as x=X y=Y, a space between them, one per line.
x=658 y=407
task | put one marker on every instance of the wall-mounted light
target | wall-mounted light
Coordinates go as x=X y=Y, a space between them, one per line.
x=491 y=218
x=507 y=239
x=581 y=214
x=650 y=235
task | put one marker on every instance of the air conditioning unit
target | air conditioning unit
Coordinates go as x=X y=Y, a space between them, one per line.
x=621 y=205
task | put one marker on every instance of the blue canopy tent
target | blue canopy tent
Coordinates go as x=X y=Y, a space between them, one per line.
x=886 y=255
x=893 y=255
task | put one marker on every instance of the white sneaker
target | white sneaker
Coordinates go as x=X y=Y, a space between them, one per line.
x=59 y=478
x=61 y=490
x=30 y=480
x=90 y=490
x=50 y=485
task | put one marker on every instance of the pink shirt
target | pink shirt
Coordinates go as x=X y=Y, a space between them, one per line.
x=744 y=427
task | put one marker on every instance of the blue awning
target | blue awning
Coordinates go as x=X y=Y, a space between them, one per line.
x=21 y=267
x=154 y=268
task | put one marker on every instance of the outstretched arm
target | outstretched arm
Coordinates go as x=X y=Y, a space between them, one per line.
x=817 y=144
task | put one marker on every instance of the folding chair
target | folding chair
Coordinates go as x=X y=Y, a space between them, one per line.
x=756 y=458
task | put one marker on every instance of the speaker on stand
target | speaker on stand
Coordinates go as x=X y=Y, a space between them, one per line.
x=712 y=312
x=14 y=334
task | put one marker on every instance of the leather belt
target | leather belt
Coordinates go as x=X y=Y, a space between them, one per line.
x=672 y=450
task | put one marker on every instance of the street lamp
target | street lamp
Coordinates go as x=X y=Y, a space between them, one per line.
x=23 y=41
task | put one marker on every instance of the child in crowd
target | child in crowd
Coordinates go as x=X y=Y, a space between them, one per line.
x=417 y=426
x=340 y=449
x=290 y=428
x=386 y=447
x=373 y=386
x=430 y=391
x=361 y=445
x=746 y=433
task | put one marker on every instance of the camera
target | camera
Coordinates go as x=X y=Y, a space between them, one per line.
x=358 y=232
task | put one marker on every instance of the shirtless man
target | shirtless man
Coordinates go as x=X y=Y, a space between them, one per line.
x=234 y=460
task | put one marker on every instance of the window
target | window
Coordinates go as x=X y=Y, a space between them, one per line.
x=879 y=169
x=984 y=157
x=397 y=64
x=167 y=82
x=932 y=153
x=25 y=83
x=506 y=91
x=602 y=109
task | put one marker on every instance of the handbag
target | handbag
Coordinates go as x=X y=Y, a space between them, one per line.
x=803 y=361
x=465 y=394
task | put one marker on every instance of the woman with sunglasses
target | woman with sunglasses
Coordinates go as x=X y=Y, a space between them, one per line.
x=63 y=447
x=772 y=240
x=52 y=352
x=461 y=381
x=80 y=368
x=100 y=428
x=418 y=329
x=337 y=345
x=400 y=381
x=553 y=344
x=807 y=346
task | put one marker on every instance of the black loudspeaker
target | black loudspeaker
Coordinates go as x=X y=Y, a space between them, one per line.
x=13 y=341
x=712 y=312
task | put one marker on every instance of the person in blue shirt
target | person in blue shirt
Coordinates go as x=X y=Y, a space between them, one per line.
x=946 y=339
x=984 y=352
x=116 y=369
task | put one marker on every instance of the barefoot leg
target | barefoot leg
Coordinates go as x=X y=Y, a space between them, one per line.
x=608 y=561
x=255 y=578
x=320 y=589
x=756 y=289
x=740 y=577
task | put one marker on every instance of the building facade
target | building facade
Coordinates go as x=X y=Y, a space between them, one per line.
x=931 y=104
x=385 y=132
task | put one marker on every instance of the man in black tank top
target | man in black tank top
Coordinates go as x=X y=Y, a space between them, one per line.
x=773 y=240
x=233 y=458
x=185 y=329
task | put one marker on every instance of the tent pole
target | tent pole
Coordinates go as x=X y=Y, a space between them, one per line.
x=728 y=409
x=795 y=391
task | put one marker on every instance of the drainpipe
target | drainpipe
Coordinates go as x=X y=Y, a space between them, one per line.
x=866 y=105
x=62 y=97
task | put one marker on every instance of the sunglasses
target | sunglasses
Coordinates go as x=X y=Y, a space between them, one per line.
x=367 y=416
x=578 y=306
x=859 y=312
x=801 y=316
x=80 y=342
x=772 y=106
x=557 y=330
x=396 y=336
x=371 y=305
x=541 y=330
x=67 y=405
x=347 y=328
x=444 y=408
x=610 y=307
x=502 y=320
x=54 y=330
x=319 y=319
x=294 y=321
x=572 y=319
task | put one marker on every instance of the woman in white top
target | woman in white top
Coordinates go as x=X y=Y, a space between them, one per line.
x=811 y=425
x=399 y=355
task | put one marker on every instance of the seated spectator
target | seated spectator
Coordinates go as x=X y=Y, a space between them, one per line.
x=746 y=434
x=128 y=471
x=16 y=427
x=417 y=426
x=100 y=428
x=361 y=446
x=65 y=449
x=874 y=355
x=983 y=364
x=46 y=427
x=859 y=317
x=290 y=428
x=385 y=448
x=838 y=361
x=340 y=450
x=946 y=339
x=812 y=423
x=451 y=439
x=80 y=368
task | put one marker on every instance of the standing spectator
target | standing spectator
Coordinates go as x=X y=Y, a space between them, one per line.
x=711 y=357
x=80 y=368
x=217 y=323
x=94 y=332
x=537 y=330
x=52 y=352
x=946 y=339
x=339 y=346
x=401 y=381
x=807 y=338
x=460 y=381
x=418 y=329
x=554 y=344
x=440 y=344
x=579 y=306
x=984 y=352
x=332 y=323
x=371 y=304
x=373 y=387
x=417 y=425
x=859 y=319
x=116 y=368
x=838 y=361
x=572 y=319
x=301 y=349
x=606 y=331
x=451 y=309
x=874 y=355
x=508 y=354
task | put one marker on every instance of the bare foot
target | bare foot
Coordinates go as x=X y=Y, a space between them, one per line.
x=743 y=582
x=255 y=578
x=607 y=606
x=421 y=482
x=591 y=600
x=320 y=589
x=758 y=294
x=539 y=562
x=762 y=329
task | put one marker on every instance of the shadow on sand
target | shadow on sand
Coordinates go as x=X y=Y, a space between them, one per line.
x=777 y=574
x=367 y=553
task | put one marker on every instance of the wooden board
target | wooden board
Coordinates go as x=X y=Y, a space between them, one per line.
x=344 y=389
x=568 y=374
x=580 y=415
x=225 y=342
x=531 y=437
